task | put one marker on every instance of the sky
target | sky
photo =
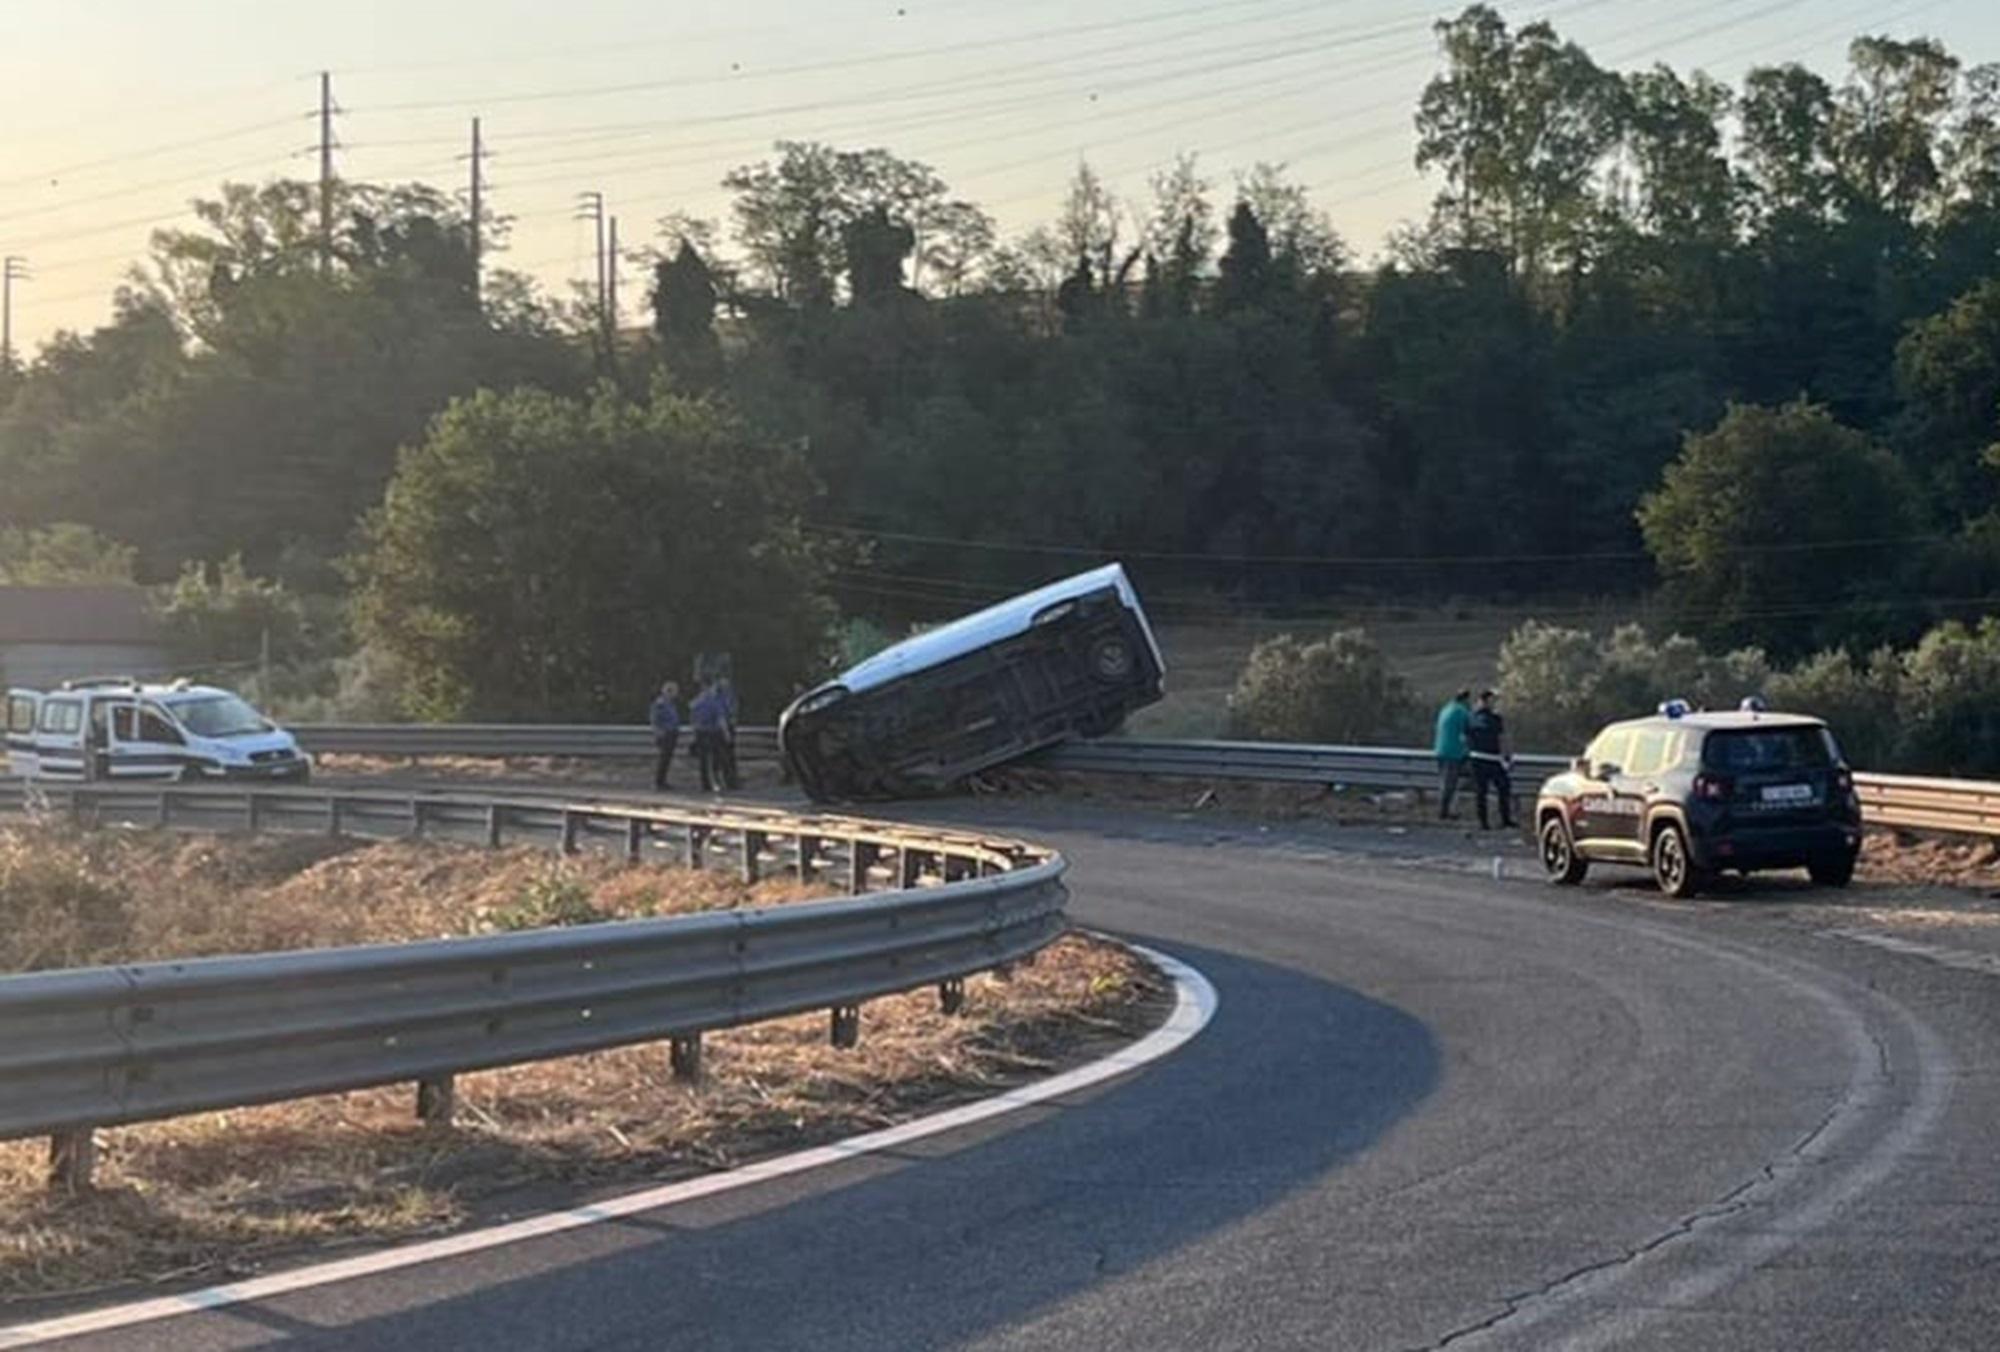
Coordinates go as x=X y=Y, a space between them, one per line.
x=115 y=113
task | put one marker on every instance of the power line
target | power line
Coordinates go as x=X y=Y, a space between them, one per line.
x=1350 y=560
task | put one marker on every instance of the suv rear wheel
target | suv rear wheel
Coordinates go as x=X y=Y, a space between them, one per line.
x=1560 y=859
x=1673 y=866
x=1833 y=870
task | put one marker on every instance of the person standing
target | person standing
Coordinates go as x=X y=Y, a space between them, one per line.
x=725 y=690
x=665 y=716
x=1450 y=747
x=706 y=714
x=1485 y=740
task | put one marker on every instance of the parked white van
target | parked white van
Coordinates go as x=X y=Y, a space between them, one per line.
x=115 y=729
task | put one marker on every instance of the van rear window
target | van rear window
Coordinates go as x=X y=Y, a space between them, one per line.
x=1754 y=749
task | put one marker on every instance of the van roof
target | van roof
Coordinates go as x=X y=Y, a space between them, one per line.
x=1012 y=616
x=165 y=692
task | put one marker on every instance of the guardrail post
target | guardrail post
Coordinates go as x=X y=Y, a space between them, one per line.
x=334 y=824
x=572 y=824
x=416 y=819
x=684 y=1055
x=251 y=812
x=861 y=859
x=492 y=826
x=437 y=1099
x=846 y=1025
x=808 y=857
x=951 y=995
x=912 y=870
x=697 y=846
x=635 y=840
x=161 y=815
x=753 y=845
x=72 y=1159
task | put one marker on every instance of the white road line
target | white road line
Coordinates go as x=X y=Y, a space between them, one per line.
x=1194 y=1006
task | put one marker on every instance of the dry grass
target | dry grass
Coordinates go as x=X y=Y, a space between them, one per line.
x=220 y=1194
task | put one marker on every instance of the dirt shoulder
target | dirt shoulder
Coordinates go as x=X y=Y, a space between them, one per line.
x=221 y=1195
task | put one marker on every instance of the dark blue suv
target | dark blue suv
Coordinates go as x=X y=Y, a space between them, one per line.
x=1691 y=795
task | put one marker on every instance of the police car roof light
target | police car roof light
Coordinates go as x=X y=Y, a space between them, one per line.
x=1674 y=708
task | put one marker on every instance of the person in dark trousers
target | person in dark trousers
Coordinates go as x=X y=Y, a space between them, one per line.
x=707 y=716
x=665 y=716
x=1450 y=748
x=725 y=689
x=1486 y=741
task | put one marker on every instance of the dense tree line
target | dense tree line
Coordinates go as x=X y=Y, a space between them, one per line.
x=1742 y=342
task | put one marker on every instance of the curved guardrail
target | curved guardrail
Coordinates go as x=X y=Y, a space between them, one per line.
x=87 y=1048
x=1960 y=806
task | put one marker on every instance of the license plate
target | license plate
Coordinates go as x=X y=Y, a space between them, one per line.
x=1787 y=793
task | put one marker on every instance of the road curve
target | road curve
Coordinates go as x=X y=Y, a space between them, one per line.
x=1433 y=1110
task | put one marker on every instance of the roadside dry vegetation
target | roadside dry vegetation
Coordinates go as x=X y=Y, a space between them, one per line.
x=217 y=1195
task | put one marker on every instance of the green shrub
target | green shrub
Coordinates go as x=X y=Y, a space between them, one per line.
x=1949 y=700
x=1858 y=699
x=1561 y=685
x=551 y=900
x=1338 y=689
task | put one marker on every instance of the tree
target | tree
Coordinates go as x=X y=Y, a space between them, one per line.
x=221 y=615
x=1787 y=117
x=1247 y=280
x=793 y=216
x=1948 y=370
x=1684 y=190
x=684 y=319
x=1889 y=125
x=1518 y=123
x=1782 y=525
x=537 y=557
x=63 y=553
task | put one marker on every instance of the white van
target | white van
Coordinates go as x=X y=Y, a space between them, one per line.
x=115 y=729
x=1070 y=659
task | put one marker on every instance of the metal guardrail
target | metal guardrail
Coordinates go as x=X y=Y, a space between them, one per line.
x=1368 y=767
x=504 y=739
x=1911 y=802
x=85 y=1048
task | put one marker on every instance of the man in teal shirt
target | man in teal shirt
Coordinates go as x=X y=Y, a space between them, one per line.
x=1453 y=753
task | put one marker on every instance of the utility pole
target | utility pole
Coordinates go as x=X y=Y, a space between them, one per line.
x=593 y=209
x=325 y=173
x=611 y=286
x=12 y=269
x=478 y=222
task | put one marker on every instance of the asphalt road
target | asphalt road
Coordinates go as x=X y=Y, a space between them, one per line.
x=1433 y=1109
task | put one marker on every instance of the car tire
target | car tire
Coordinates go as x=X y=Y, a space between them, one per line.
x=1560 y=858
x=1833 y=870
x=1673 y=864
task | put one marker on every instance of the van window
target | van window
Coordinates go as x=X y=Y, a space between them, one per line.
x=125 y=722
x=155 y=726
x=62 y=716
x=20 y=714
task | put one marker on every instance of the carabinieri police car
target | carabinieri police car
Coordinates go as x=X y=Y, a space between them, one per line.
x=1689 y=795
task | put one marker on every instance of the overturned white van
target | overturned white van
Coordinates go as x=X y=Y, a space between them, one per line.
x=115 y=729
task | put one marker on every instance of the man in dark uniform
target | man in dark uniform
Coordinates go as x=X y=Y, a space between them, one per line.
x=665 y=716
x=1485 y=738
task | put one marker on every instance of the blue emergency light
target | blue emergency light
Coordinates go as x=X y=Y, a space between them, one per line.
x=1674 y=708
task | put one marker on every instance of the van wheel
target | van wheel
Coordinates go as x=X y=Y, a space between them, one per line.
x=1560 y=859
x=1833 y=870
x=1673 y=867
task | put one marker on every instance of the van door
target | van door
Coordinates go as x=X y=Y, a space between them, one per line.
x=59 y=748
x=144 y=743
x=22 y=708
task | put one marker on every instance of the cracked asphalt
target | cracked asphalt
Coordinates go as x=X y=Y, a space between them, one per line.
x=1435 y=1109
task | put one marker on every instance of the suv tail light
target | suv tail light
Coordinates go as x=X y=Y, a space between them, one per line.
x=1843 y=781
x=1714 y=788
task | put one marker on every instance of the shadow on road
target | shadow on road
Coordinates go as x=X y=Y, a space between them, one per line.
x=1293 y=1077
